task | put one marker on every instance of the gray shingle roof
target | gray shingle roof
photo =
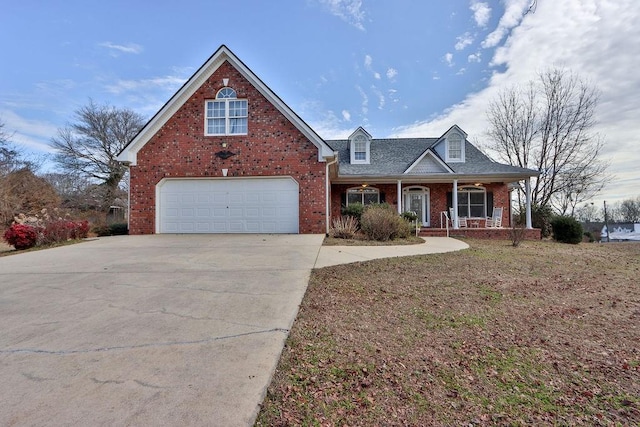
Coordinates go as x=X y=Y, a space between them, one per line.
x=392 y=157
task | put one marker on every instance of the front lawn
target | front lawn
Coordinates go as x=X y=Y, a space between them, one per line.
x=541 y=334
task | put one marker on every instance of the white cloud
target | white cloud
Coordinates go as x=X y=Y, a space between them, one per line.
x=365 y=100
x=377 y=76
x=463 y=41
x=26 y=133
x=346 y=115
x=475 y=57
x=347 y=10
x=122 y=48
x=577 y=35
x=481 y=13
x=381 y=98
x=448 y=57
x=514 y=12
x=368 y=60
x=168 y=83
x=392 y=73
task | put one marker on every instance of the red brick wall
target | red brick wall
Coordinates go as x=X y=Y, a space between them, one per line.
x=273 y=147
x=438 y=198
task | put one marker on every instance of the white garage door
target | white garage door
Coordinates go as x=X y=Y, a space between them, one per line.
x=228 y=205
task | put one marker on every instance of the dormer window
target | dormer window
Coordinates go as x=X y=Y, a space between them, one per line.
x=226 y=115
x=360 y=149
x=359 y=146
x=455 y=148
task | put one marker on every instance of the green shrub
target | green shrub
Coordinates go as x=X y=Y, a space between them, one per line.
x=405 y=228
x=409 y=216
x=541 y=217
x=566 y=229
x=589 y=236
x=115 y=229
x=354 y=209
x=344 y=227
x=381 y=222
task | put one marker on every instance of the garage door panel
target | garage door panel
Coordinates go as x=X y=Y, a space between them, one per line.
x=236 y=205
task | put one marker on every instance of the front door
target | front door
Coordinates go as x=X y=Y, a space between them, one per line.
x=416 y=199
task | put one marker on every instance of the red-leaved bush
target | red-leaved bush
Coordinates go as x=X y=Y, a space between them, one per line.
x=21 y=236
x=62 y=230
x=24 y=236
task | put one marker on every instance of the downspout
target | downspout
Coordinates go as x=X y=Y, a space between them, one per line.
x=527 y=186
x=128 y=166
x=399 y=196
x=328 y=191
x=454 y=202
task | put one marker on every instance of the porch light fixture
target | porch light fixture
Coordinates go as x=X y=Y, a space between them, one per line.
x=365 y=185
x=224 y=145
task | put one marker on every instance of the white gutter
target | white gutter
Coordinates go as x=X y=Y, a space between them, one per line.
x=328 y=191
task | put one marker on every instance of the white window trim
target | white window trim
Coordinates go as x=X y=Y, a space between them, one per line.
x=472 y=189
x=362 y=191
x=449 y=159
x=227 y=118
x=426 y=194
x=352 y=150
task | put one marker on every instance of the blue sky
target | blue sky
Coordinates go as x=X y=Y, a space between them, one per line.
x=400 y=68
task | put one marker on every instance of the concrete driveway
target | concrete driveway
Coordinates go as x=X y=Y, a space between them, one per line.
x=148 y=330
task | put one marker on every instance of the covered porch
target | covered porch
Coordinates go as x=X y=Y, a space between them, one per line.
x=459 y=208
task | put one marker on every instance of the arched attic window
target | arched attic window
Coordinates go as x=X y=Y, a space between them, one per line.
x=226 y=115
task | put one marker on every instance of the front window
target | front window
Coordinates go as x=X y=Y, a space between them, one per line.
x=227 y=115
x=472 y=202
x=364 y=195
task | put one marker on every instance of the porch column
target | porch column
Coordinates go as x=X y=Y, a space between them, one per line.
x=454 y=198
x=527 y=186
x=399 y=190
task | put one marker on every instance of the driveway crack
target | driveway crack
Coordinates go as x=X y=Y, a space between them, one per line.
x=138 y=346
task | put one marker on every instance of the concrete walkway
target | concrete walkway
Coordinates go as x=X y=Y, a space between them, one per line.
x=334 y=255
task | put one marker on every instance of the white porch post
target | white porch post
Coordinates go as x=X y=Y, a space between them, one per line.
x=454 y=198
x=399 y=196
x=527 y=186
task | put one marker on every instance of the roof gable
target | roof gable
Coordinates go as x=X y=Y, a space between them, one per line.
x=428 y=163
x=222 y=55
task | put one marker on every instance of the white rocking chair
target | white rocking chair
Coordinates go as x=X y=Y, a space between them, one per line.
x=495 y=221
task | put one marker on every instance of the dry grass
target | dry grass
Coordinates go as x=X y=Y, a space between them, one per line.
x=541 y=334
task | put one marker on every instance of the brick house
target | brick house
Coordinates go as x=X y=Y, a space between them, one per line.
x=226 y=155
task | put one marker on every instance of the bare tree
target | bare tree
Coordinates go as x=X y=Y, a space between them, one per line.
x=89 y=146
x=627 y=210
x=547 y=125
x=10 y=158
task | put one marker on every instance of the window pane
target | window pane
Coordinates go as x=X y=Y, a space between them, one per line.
x=238 y=125
x=360 y=155
x=477 y=211
x=354 y=198
x=218 y=109
x=226 y=92
x=237 y=108
x=371 y=198
x=218 y=126
x=477 y=198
